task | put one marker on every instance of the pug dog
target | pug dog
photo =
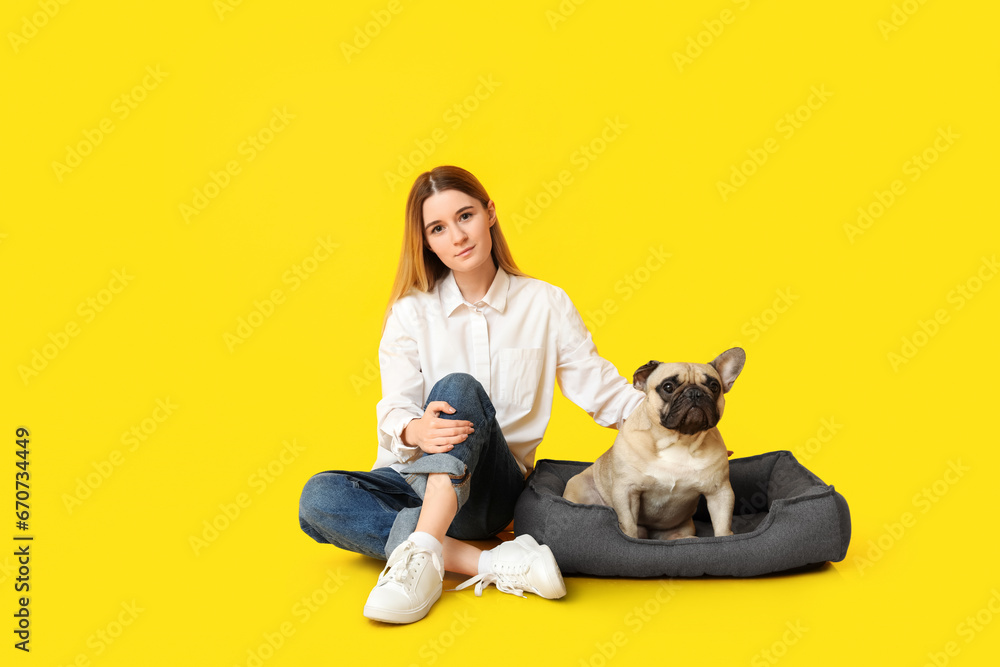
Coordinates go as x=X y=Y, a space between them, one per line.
x=668 y=453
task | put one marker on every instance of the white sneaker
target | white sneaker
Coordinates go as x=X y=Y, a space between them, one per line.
x=521 y=565
x=407 y=587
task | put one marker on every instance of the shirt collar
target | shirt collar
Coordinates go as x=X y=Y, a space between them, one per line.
x=496 y=296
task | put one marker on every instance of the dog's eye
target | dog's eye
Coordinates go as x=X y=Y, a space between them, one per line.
x=668 y=387
x=713 y=385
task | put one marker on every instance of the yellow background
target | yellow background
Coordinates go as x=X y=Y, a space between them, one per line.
x=819 y=378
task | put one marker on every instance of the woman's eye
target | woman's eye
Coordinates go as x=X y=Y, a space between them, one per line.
x=465 y=216
x=436 y=229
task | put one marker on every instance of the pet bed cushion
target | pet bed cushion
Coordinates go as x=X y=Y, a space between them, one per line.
x=785 y=517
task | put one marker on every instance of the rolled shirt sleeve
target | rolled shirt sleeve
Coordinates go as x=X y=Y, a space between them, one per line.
x=402 y=388
x=588 y=379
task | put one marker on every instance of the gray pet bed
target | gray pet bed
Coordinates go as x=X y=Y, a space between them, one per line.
x=785 y=517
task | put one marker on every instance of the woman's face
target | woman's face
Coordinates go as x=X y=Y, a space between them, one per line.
x=457 y=229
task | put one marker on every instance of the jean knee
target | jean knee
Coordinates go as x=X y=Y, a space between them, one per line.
x=320 y=491
x=464 y=393
x=461 y=384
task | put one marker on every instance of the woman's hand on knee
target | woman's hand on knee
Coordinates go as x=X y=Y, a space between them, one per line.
x=433 y=434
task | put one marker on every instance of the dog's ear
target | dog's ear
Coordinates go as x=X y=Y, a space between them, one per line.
x=729 y=364
x=639 y=379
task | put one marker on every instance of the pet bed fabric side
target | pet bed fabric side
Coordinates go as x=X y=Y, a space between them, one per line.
x=784 y=517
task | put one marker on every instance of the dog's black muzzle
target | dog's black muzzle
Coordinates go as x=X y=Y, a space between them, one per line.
x=692 y=410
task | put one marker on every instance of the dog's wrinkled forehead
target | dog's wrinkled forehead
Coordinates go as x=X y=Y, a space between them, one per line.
x=651 y=376
x=681 y=374
x=724 y=369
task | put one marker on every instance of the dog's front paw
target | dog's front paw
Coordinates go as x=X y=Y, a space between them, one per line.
x=630 y=531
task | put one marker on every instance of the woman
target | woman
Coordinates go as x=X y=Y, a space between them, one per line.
x=470 y=351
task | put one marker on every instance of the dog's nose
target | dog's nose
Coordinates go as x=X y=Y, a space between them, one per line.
x=693 y=393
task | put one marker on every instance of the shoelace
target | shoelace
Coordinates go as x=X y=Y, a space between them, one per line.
x=397 y=571
x=508 y=577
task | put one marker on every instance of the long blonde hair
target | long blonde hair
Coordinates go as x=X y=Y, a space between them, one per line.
x=419 y=268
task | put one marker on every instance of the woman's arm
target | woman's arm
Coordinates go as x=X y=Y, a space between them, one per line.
x=402 y=388
x=403 y=427
x=586 y=378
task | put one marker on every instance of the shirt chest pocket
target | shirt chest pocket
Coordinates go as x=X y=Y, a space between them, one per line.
x=520 y=375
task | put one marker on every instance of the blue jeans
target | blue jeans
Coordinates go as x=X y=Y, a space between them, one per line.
x=372 y=512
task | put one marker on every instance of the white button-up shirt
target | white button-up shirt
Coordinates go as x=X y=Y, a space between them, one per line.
x=521 y=338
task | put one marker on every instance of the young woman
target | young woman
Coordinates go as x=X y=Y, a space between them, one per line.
x=470 y=352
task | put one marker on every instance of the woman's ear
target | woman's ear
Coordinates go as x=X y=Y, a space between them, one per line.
x=491 y=212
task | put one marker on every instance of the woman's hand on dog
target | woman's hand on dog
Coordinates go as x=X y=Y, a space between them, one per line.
x=433 y=434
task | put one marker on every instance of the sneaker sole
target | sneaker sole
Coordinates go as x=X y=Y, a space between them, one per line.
x=555 y=588
x=395 y=616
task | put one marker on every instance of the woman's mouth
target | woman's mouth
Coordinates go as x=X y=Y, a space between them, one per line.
x=465 y=252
